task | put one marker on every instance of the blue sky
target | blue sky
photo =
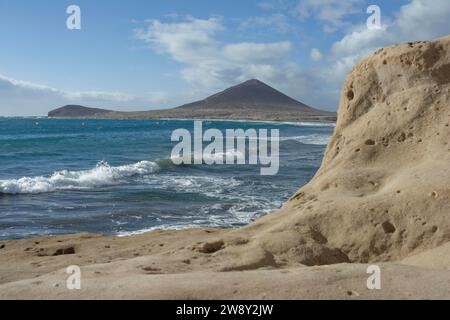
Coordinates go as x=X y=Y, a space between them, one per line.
x=141 y=55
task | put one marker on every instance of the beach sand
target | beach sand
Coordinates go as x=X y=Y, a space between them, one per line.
x=159 y=265
x=380 y=197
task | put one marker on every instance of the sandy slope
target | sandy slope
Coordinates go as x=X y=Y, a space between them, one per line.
x=381 y=196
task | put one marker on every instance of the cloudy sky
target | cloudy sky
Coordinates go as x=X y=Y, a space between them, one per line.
x=141 y=55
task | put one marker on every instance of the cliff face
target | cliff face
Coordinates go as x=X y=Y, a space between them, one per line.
x=383 y=190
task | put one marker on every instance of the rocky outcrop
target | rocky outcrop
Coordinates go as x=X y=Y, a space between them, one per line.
x=383 y=190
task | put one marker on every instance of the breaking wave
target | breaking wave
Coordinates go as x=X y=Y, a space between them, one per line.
x=102 y=175
x=316 y=139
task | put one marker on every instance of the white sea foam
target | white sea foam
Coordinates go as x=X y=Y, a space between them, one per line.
x=290 y=123
x=210 y=186
x=317 y=139
x=215 y=157
x=307 y=124
x=102 y=175
x=122 y=234
x=238 y=213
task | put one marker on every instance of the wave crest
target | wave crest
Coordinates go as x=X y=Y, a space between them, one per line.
x=102 y=175
x=316 y=139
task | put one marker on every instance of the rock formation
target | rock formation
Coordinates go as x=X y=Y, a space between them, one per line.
x=383 y=190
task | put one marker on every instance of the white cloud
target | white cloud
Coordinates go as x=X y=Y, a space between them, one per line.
x=361 y=41
x=185 y=41
x=27 y=98
x=276 y=22
x=315 y=55
x=417 y=20
x=332 y=13
x=423 y=19
x=209 y=64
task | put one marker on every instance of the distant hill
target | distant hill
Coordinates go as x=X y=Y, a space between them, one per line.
x=250 y=95
x=250 y=100
x=76 y=111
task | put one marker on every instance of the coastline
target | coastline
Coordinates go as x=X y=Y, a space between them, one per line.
x=301 y=122
x=287 y=122
x=380 y=198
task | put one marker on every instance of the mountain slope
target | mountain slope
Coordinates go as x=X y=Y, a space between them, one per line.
x=76 y=111
x=250 y=100
x=250 y=95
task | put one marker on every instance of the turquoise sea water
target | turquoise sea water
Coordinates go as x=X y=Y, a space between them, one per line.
x=115 y=176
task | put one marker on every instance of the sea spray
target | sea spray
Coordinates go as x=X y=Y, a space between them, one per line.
x=229 y=150
x=169 y=197
x=102 y=175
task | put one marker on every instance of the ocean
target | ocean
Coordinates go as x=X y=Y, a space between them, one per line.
x=115 y=177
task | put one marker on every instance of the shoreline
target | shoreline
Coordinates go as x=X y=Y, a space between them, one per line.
x=40 y=183
x=380 y=199
x=305 y=122
x=275 y=122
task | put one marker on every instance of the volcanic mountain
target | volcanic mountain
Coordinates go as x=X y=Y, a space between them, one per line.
x=250 y=100
x=76 y=111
